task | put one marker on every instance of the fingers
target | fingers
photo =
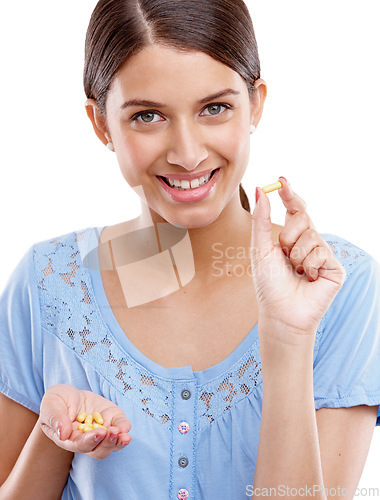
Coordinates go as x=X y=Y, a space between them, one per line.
x=305 y=247
x=307 y=250
x=54 y=415
x=262 y=242
x=296 y=226
x=317 y=259
x=86 y=442
x=112 y=440
x=309 y=254
x=292 y=202
x=121 y=422
x=115 y=438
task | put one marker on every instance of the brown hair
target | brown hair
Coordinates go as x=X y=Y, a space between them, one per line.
x=118 y=29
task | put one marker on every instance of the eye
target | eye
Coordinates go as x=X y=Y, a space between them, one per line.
x=146 y=117
x=216 y=109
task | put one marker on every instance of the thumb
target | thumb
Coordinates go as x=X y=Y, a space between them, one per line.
x=262 y=242
x=55 y=418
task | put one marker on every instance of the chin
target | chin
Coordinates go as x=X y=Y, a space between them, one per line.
x=192 y=221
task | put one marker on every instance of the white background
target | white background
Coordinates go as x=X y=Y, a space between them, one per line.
x=320 y=128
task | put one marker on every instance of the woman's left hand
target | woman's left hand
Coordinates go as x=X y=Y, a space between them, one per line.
x=296 y=302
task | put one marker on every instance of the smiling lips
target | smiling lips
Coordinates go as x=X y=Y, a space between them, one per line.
x=182 y=182
x=189 y=190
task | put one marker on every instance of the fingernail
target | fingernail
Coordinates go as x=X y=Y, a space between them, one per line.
x=59 y=430
x=287 y=182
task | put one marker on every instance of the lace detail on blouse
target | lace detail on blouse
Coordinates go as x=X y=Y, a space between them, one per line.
x=219 y=395
x=70 y=312
x=348 y=254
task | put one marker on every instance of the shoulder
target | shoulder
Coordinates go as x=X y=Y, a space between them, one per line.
x=68 y=240
x=63 y=249
x=357 y=305
x=61 y=266
x=350 y=255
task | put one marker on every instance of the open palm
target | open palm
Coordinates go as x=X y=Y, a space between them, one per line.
x=60 y=407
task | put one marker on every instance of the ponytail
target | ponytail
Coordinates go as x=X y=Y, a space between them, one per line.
x=244 y=199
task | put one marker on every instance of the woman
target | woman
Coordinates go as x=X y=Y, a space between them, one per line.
x=136 y=320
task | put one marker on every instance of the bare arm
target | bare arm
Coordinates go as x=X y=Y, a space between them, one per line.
x=39 y=450
x=32 y=465
x=288 y=452
x=299 y=446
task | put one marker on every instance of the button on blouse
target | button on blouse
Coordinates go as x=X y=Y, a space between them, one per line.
x=183 y=494
x=184 y=427
x=183 y=462
x=186 y=394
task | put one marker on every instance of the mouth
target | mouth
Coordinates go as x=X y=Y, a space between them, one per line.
x=186 y=185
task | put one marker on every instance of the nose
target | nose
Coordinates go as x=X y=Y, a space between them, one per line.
x=186 y=146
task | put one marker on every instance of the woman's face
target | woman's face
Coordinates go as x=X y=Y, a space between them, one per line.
x=181 y=116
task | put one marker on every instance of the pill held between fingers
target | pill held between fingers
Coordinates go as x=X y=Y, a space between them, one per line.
x=98 y=418
x=81 y=417
x=272 y=187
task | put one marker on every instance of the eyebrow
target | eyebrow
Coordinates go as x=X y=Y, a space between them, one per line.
x=205 y=100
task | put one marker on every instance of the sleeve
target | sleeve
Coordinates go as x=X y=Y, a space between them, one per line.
x=347 y=363
x=21 y=360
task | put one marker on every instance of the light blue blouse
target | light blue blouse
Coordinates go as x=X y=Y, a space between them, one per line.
x=194 y=434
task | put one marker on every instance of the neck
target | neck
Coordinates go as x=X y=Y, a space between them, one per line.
x=218 y=248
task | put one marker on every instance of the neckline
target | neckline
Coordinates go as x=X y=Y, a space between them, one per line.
x=182 y=372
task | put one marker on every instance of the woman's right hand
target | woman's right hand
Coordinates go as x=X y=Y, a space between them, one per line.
x=60 y=407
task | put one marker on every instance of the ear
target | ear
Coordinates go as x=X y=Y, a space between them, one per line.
x=98 y=121
x=258 y=100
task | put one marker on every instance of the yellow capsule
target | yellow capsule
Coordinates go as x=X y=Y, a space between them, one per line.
x=87 y=427
x=81 y=427
x=272 y=187
x=98 y=426
x=81 y=417
x=98 y=418
x=89 y=419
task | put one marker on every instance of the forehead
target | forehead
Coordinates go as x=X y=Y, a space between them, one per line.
x=161 y=73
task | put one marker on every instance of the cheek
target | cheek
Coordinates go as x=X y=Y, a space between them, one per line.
x=135 y=156
x=234 y=145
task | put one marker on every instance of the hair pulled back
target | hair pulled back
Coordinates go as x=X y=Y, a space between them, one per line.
x=118 y=29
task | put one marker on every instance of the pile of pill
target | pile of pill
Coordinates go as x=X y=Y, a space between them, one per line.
x=89 y=422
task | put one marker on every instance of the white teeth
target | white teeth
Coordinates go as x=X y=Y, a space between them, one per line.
x=194 y=183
